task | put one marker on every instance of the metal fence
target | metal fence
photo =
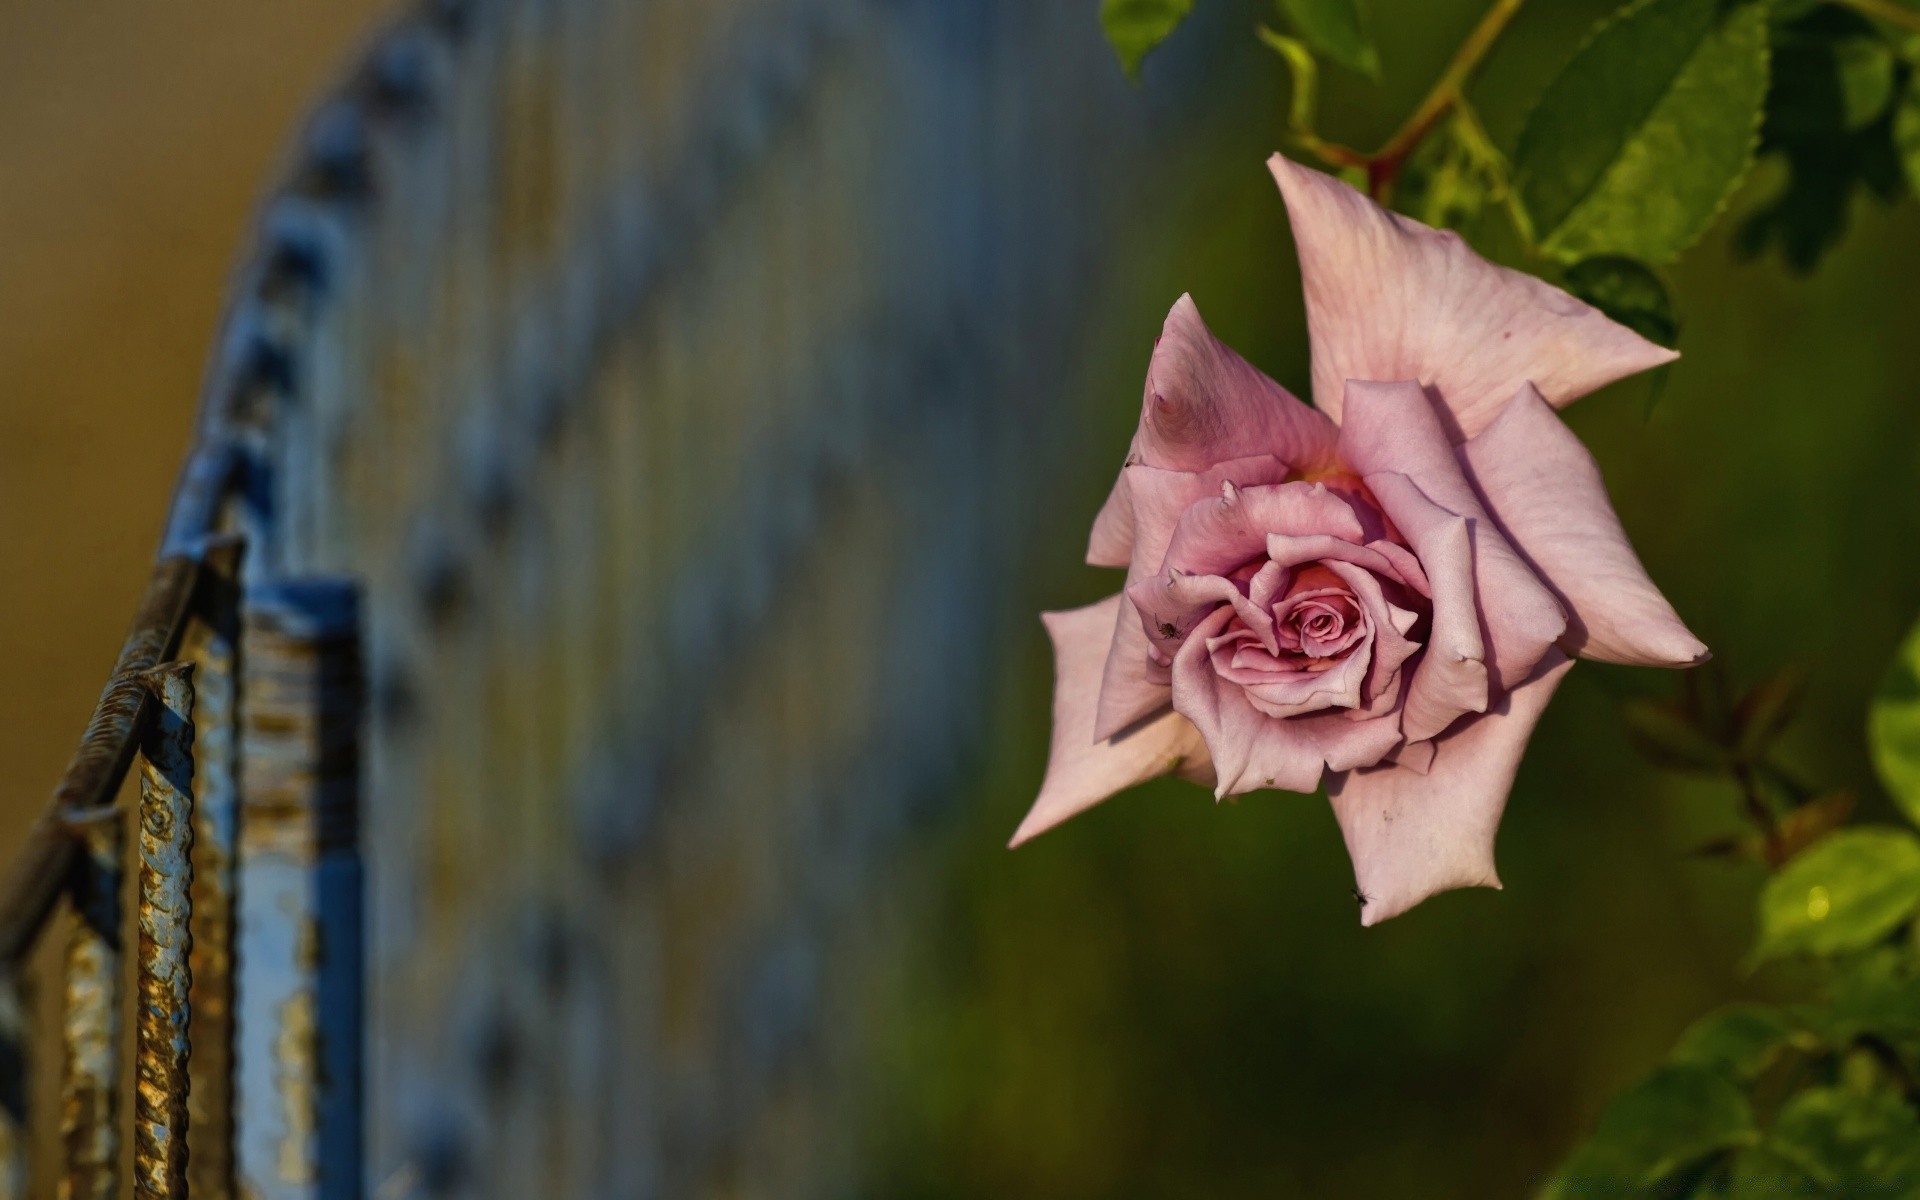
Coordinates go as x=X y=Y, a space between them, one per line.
x=577 y=590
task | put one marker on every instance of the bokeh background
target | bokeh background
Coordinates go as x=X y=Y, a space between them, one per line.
x=1164 y=997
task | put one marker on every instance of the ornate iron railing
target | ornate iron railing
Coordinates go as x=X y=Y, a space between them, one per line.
x=578 y=584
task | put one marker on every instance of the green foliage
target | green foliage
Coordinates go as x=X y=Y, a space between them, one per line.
x=1845 y=893
x=1904 y=126
x=1876 y=995
x=1841 y=1142
x=1335 y=29
x=1739 y=1041
x=1670 y=1121
x=1629 y=292
x=1638 y=143
x=1893 y=726
x=1454 y=176
x=1135 y=27
x=1830 y=118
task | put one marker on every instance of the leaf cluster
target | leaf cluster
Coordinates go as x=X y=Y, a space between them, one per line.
x=1641 y=141
x=1820 y=1099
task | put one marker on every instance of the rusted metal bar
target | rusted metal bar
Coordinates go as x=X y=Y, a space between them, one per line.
x=90 y=1022
x=298 y=963
x=166 y=876
x=211 y=644
x=14 y=1137
x=40 y=870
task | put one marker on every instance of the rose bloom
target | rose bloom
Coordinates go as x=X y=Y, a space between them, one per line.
x=1379 y=593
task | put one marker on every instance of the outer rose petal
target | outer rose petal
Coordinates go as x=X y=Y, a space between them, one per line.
x=1413 y=835
x=1157 y=497
x=1545 y=490
x=1205 y=404
x=1393 y=427
x=1390 y=298
x=1080 y=771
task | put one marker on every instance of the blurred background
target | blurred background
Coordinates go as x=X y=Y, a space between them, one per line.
x=1165 y=996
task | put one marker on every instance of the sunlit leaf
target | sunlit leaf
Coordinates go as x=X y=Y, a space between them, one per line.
x=1849 y=1143
x=1627 y=291
x=1674 y=1118
x=1893 y=726
x=1739 y=1041
x=1829 y=119
x=1638 y=143
x=1135 y=27
x=1335 y=29
x=1844 y=893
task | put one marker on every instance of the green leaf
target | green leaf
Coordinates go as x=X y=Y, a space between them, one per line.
x=1865 y=70
x=1852 y=1144
x=1739 y=1041
x=1829 y=120
x=1672 y=1119
x=1760 y=1174
x=1452 y=177
x=1639 y=142
x=1334 y=28
x=1627 y=291
x=1906 y=121
x=1135 y=27
x=1877 y=995
x=1893 y=726
x=1844 y=893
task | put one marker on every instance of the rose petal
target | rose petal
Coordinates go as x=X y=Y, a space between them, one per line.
x=1305 y=692
x=1170 y=606
x=1111 y=542
x=1545 y=490
x=1411 y=835
x=1451 y=678
x=1391 y=648
x=1392 y=427
x=1133 y=685
x=1213 y=537
x=1251 y=750
x=1205 y=404
x=1081 y=771
x=1389 y=298
x=1293 y=551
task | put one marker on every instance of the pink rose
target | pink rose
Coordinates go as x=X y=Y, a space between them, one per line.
x=1381 y=592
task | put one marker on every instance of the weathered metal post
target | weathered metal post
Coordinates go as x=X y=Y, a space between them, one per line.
x=90 y=1022
x=211 y=643
x=166 y=874
x=298 y=968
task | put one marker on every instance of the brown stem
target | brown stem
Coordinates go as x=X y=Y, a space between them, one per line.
x=1762 y=816
x=1383 y=165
